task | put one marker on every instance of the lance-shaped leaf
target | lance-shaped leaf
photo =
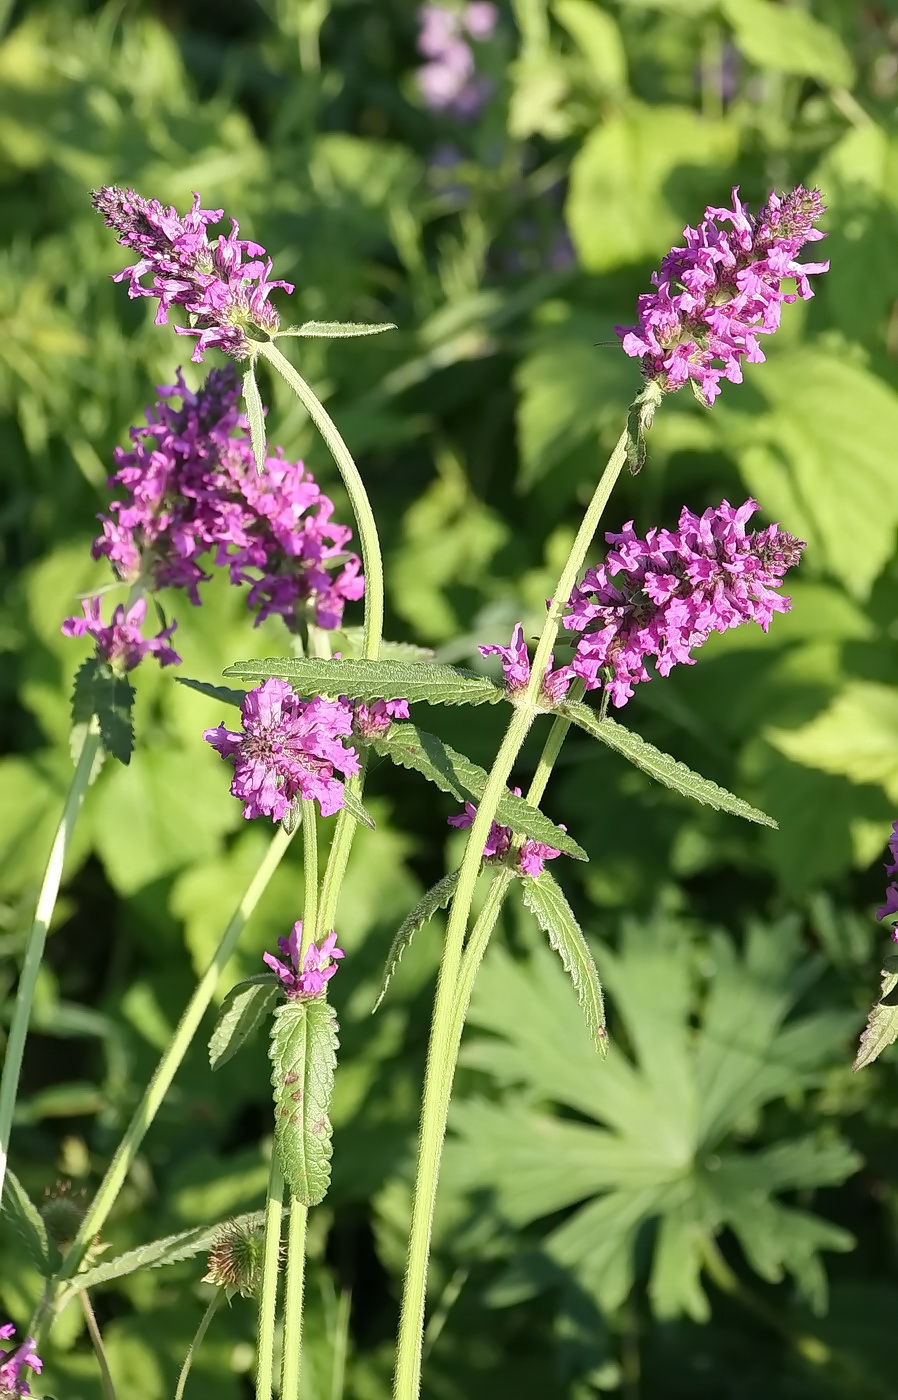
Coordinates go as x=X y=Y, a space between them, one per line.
x=111 y=698
x=255 y=415
x=412 y=747
x=375 y=680
x=661 y=766
x=241 y=1012
x=169 y=1250
x=437 y=897
x=22 y=1216
x=881 y=1029
x=223 y=693
x=303 y=1057
x=356 y=808
x=339 y=330
x=545 y=899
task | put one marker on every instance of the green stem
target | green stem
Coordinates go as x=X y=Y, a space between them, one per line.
x=293 y=1301
x=194 y=1347
x=168 y=1065
x=310 y=877
x=355 y=487
x=37 y=938
x=97 y=1343
x=443 y=1047
x=271 y=1263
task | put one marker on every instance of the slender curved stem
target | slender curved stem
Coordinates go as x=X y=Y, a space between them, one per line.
x=37 y=938
x=355 y=487
x=96 y=1338
x=443 y=1047
x=293 y=1301
x=214 y=1304
x=271 y=1263
x=170 y=1062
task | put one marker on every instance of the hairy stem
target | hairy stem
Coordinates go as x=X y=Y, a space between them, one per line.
x=194 y=1347
x=293 y=1301
x=443 y=1047
x=37 y=938
x=96 y=1338
x=271 y=1263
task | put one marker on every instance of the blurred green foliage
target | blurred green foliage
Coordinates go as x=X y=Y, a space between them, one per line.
x=663 y=1224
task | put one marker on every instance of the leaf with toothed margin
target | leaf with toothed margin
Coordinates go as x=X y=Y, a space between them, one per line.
x=437 y=897
x=170 y=1250
x=240 y=1014
x=339 y=330
x=303 y=1057
x=256 y=416
x=546 y=901
x=881 y=1029
x=98 y=691
x=356 y=809
x=223 y=693
x=23 y=1217
x=412 y=747
x=431 y=682
x=661 y=766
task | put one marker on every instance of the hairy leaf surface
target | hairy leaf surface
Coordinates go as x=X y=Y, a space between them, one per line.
x=437 y=897
x=241 y=1012
x=358 y=679
x=303 y=1058
x=546 y=900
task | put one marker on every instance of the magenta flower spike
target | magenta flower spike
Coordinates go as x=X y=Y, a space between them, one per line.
x=715 y=296
x=318 y=967
x=532 y=854
x=289 y=749
x=890 y=908
x=224 y=285
x=122 y=644
x=516 y=665
x=12 y=1364
x=665 y=594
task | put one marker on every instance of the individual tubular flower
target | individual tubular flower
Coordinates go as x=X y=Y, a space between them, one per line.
x=662 y=595
x=529 y=858
x=372 y=721
x=713 y=298
x=13 y=1363
x=122 y=644
x=289 y=749
x=188 y=494
x=516 y=665
x=318 y=966
x=449 y=80
x=223 y=285
x=890 y=908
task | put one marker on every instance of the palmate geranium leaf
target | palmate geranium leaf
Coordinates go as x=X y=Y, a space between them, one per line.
x=98 y=692
x=545 y=899
x=661 y=766
x=243 y=1009
x=303 y=1057
x=255 y=414
x=223 y=693
x=430 y=682
x=23 y=1217
x=881 y=1029
x=437 y=897
x=412 y=747
x=339 y=330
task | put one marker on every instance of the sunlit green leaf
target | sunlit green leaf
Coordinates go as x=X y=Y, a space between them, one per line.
x=303 y=1057
x=372 y=680
x=437 y=897
x=242 y=1011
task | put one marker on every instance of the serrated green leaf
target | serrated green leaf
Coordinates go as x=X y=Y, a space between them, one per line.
x=412 y=747
x=546 y=901
x=357 y=809
x=431 y=682
x=661 y=766
x=22 y=1216
x=881 y=1029
x=242 y=1010
x=350 y=641
x=99 y=692
x=339 y=330
x=172 y=1249
x=256 y=416
x=224 y=693
x=303 y=1056
x=437 y=897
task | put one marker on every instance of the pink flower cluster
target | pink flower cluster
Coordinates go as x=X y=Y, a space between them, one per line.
x=714 y=297
x=516 y=666
x=662 y=595
x=289 y=749
x=449 y=80
x=318 y=967
x=529 y=859
x=122 y=644
x=12 y=1364
x=223 y=285
x=373 y=720
x=890 y=907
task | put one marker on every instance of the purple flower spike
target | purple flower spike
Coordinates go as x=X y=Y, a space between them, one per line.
x=530 y=857
x=665 y=594
x=289 y=748
x=516 y=665
x=224 y=285
x=449 y=81
x=12 y=1363
x=890 y=908
x=122 y=643
x=319 y=964
x=714 y=297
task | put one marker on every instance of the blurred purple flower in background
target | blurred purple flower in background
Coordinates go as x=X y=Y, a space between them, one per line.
x=449 y=80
